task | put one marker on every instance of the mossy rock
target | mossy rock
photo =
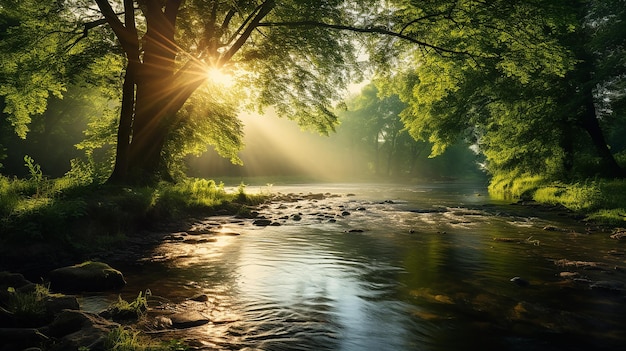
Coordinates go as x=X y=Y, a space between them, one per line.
x=86 y=277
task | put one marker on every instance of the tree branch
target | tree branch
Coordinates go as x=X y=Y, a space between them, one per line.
x=369 y=30
x=263 y=11
x=417 y=20
x=243 y=25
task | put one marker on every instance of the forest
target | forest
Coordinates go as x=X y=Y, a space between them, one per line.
x=528 y=95
x=120 y=114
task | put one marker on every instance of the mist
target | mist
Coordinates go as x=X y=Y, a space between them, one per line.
x=279 y=148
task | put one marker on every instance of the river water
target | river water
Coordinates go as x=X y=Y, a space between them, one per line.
x=390 y=267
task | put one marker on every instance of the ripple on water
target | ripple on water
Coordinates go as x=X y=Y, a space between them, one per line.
x=307 y=285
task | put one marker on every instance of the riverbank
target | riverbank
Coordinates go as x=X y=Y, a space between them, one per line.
x=598 y=201
x=55 y=222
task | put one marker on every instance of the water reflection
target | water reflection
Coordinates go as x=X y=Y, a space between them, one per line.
x=421 y=273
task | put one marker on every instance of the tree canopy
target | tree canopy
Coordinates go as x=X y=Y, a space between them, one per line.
x=535 y=86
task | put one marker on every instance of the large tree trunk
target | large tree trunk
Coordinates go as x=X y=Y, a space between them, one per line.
x=154 y=91
x=589 y=122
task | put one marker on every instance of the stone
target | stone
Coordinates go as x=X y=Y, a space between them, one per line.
x=611 y=285
x=188 y=319
x=200 y=298
x=355 y=231
x=520 y=281
x=20 y=338
x=15 y=280
x=77 y=330
x=56 y=304
x=86 y=277
x=262 y=222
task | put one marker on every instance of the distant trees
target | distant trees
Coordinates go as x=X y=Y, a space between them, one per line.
x=372 y=131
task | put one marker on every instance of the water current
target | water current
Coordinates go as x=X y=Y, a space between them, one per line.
x=390 y=267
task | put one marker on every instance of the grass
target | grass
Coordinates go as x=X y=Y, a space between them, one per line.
x=28 y=307
x=601 y=200
x=77 y=216
x=125 y=310
x=126 y=339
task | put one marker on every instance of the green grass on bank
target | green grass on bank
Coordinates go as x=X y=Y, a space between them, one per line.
x=601 y=200
x=77 y=215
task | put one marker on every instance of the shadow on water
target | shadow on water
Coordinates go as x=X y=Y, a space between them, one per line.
x=390 y=268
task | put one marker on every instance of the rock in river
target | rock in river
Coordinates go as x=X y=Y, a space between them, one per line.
x=188 y=319
x=87 y=276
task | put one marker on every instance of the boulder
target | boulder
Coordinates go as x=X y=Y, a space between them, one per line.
x=55 y=304
x=77 y=330
x=15 y=280
x=20 y=338
x=86 y=277
x=262 y=222
x=188 y=319
x=609 y=285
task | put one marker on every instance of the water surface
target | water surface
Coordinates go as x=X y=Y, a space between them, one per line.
x=391 y=267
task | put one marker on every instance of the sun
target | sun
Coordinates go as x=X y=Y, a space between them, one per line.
x=219 y=77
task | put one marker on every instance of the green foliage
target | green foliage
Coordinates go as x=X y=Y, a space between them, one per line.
x=125 y=339
x=39 y=41
x=209 y=118
x=514 y=185
x=520 y=89
x=601 y=200
x=34 y=169
x=81 y=217
x=28 y=306
x=372 y=131
x=125 y=310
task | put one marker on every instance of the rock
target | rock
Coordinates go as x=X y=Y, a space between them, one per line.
x=296 y=217
x=355 y=231
x=611 y=285
x=20 y=338
x=188 y=319
x=56 y=304
x=507 y=240
x=345 y=213
x=551 y=228
x=200 y=298
x=262 y=222
x=619 y=234
x=569 y=275
x=77 y=330
x=16 y=280
x=88 y=276
x=520 y=281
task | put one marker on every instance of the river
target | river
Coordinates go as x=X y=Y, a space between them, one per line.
x=390 y=267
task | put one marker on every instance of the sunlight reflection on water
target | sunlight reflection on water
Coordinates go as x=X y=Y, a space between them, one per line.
x=422 y=273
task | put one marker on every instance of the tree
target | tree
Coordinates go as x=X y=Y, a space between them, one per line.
x=298 y=56
x=525 y=95
x=169 y=61
x=42 y=58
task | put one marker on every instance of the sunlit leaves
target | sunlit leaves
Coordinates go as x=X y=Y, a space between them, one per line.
x=209 y=118
x=39 y=43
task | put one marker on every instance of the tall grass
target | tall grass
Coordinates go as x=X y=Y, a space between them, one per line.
x=515 y=186
x=126 y=339
x=80 y=215
x=602 y=200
